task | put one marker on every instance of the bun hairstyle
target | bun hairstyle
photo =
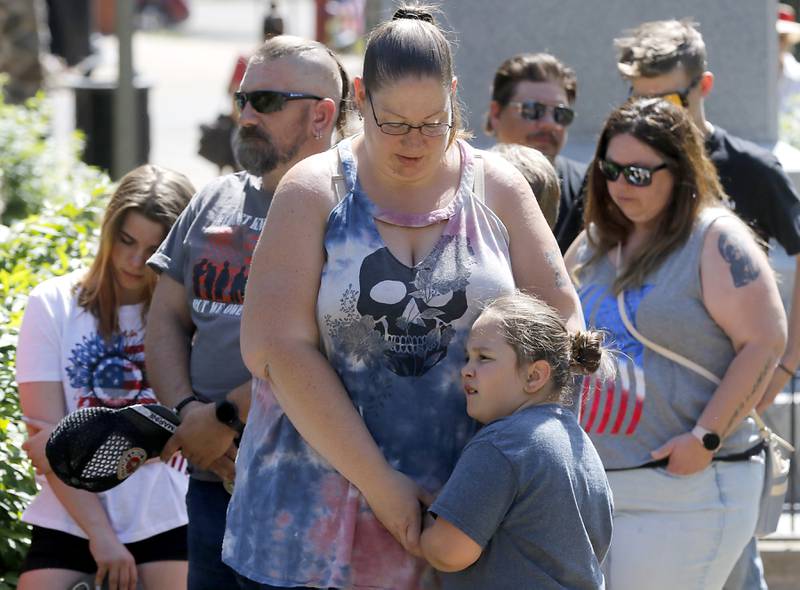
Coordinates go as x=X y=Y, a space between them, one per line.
x=536 y=332
x=411 y=45
x=414 y=12
x=587 y=352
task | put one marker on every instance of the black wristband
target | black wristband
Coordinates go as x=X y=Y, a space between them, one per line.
x=786 y=369
x=185 y=401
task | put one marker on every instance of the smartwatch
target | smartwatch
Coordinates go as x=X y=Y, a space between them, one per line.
x=228 y=413
x=711 y=440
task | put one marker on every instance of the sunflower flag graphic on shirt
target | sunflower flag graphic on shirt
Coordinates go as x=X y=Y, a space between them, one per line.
x=109 y=374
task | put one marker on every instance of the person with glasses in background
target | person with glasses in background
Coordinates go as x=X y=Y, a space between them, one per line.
x=668 y=59
x=660 y=252
x=373 y=264
x=290 y=100
x=533 y=95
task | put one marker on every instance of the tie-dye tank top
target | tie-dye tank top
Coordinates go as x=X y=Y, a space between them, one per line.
x=395 y=335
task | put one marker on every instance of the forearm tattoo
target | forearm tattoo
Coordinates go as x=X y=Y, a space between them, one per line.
x=734 y=252
x=551 y=258
x=739 y=413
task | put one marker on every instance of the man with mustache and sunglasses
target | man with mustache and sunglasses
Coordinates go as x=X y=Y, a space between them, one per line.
x=290 y=100
x=668 y=59
x=532 y=104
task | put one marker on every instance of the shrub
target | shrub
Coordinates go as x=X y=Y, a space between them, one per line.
x=35 y=176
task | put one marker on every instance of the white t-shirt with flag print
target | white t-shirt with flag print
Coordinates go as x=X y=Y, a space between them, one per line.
x=60 y=341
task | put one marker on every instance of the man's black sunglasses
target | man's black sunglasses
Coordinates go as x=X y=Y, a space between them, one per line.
x=634 y=175
x=269 y=101
x=533 y=110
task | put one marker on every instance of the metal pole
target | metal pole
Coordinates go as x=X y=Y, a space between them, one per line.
x=125 y=105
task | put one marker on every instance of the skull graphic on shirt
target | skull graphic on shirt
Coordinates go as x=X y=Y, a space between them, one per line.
x=414 y=307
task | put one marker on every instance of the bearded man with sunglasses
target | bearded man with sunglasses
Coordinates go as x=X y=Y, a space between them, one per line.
x=532 y=104
x=290 y=100
x=668 y=59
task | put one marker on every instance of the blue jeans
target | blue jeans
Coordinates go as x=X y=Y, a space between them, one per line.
x=685 y=532
x=748 y=573
x=207 y=503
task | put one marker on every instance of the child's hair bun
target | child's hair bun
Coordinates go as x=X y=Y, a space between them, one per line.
x=587 y=351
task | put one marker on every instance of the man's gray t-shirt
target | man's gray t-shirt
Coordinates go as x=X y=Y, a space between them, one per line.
x=531 y=490
x=209 y=250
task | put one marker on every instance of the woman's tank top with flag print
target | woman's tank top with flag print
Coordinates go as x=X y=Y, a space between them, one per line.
x=652 y=399
x=395 y=335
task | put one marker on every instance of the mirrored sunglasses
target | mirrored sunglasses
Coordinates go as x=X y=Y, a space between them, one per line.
x=533 y=110
x=680 y=98
x=633 y=175
x=269 y=101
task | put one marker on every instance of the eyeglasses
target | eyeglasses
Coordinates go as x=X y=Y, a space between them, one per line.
x=680 y=98
x=427 y=129
x=269 y=101
x=634 y=175
x=533 y=110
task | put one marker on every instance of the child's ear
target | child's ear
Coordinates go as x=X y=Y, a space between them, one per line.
x=537 y=376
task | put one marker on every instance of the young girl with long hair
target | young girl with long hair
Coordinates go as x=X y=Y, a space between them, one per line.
x=81 y=345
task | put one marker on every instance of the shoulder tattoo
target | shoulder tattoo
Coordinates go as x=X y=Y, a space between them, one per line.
x=734 y=252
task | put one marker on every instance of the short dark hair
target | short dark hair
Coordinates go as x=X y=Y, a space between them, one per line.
x=658 y=47
x=531 y=67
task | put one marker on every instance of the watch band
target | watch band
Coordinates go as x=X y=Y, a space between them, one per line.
x=185 y=401
x=709 y=439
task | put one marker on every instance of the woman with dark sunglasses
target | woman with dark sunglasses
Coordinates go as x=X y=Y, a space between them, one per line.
x=370 y=270
x=662 y=252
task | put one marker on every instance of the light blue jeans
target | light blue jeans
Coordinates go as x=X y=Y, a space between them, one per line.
x=748 y=573
x=681 y=531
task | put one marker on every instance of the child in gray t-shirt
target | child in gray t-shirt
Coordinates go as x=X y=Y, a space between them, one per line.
x=528 y=504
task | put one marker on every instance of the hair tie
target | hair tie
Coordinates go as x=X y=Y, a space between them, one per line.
x=412 y=14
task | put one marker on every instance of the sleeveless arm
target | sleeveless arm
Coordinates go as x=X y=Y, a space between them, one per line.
x=536 y=259
x=740 y=294
x=280 y=341
x=737 y=280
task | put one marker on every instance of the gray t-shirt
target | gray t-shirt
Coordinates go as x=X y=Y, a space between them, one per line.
x=531 y=490
x=209 y=250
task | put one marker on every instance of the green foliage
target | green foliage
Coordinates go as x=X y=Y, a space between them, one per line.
x=34 y=168
x=35 y=176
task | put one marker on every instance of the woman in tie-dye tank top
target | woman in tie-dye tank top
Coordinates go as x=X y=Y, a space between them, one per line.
x=372 y=266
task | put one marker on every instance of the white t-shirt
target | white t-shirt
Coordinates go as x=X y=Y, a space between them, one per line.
x=59 y=341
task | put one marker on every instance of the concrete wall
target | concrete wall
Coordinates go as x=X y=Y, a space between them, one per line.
x=739 y=34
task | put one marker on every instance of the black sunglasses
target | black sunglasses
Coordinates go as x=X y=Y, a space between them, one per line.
x=634 y=175
x=269 y=101
x=533 y=110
